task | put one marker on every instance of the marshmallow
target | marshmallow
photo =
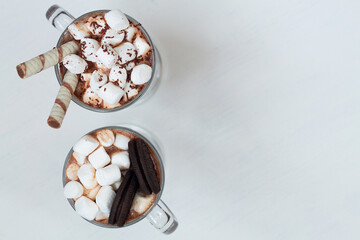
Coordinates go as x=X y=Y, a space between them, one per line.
x=112 y=37
x=101 y=216
x=86 y=208
x=86 y=145
x=91 y=193
x=110 y=106
x=101 y=66
x=111 y=93
x=73 y=189
x=130 y=66
x=97 y=80
x=126 y=52
x=86 y=175
x=96 y=25
x=118 y=75
x=79 y=158
x=107 y=55
x=116 y=185
x=78 y=31
x=74 y=64
x=130 y=32
x=141 y=202
x=105 y=198
x=116 y=20
x=99 y=158
x=141 y=46
x=130 y=91
x=91 y=98
x=121 y=141
x=85 y=77
x=71 y=171
x=106 y=137
x=121 y=159
x=141 y=74
x=89 y=48
x=108 y=175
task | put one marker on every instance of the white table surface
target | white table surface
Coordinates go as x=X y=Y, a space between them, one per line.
x=259 y=119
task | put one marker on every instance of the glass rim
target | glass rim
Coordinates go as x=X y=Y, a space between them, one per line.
x=143 y=91
x=162 y=179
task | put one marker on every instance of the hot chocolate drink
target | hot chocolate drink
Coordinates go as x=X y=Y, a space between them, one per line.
x=114 y=61
x=112 y=177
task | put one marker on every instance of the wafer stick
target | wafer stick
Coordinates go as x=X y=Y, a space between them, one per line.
x=62 y=100
x=46 y=60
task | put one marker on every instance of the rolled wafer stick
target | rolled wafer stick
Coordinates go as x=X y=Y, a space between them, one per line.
x=62 y=100
x=46 y=60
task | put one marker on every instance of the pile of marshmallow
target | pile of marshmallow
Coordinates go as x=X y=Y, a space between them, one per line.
x=95 y=176
x=114 y=52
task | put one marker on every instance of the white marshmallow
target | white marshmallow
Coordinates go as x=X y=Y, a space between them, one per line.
x=85 y=77
x=101 y=66
x=86 y=208
x=141 y=46
x=86 y=175
x=116 y=185
x=126 y=52
x=119 y=75
x=116 y=20
x=106 y=137
x=130 y=32
x=121 y=159
x=130 y=65
x=105 y=199
x=112 y=37
x=86 y=145
x=73 y=189
x=89 y=47
x=108 y=175
x=107 y=55
x=99 y=158
x=101 y=216
x=78 y=31
x=111 y=93
x=97 y=80
x=141 y=74
x=90 y=97
x=142 y=202
x=110 y=106
x=121 y=141
x=74 y=63
x=91 y=193
x=79 y=158
x=72 y=170
x=130 y=91
x=96 y=25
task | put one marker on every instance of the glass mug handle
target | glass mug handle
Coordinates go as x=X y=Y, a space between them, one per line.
x=58 y=17
x=162 y=218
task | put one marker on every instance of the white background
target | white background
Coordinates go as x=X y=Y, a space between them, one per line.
x=259 y=119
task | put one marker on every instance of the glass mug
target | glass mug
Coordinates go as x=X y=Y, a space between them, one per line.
x=61 y=19
x=159 y=215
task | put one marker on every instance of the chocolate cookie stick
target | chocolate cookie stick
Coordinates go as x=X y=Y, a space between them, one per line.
x=134 y=159
x=119 y=195
x=62 y=100
x=46 y=60
x=128 y=199
x=147 y=165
